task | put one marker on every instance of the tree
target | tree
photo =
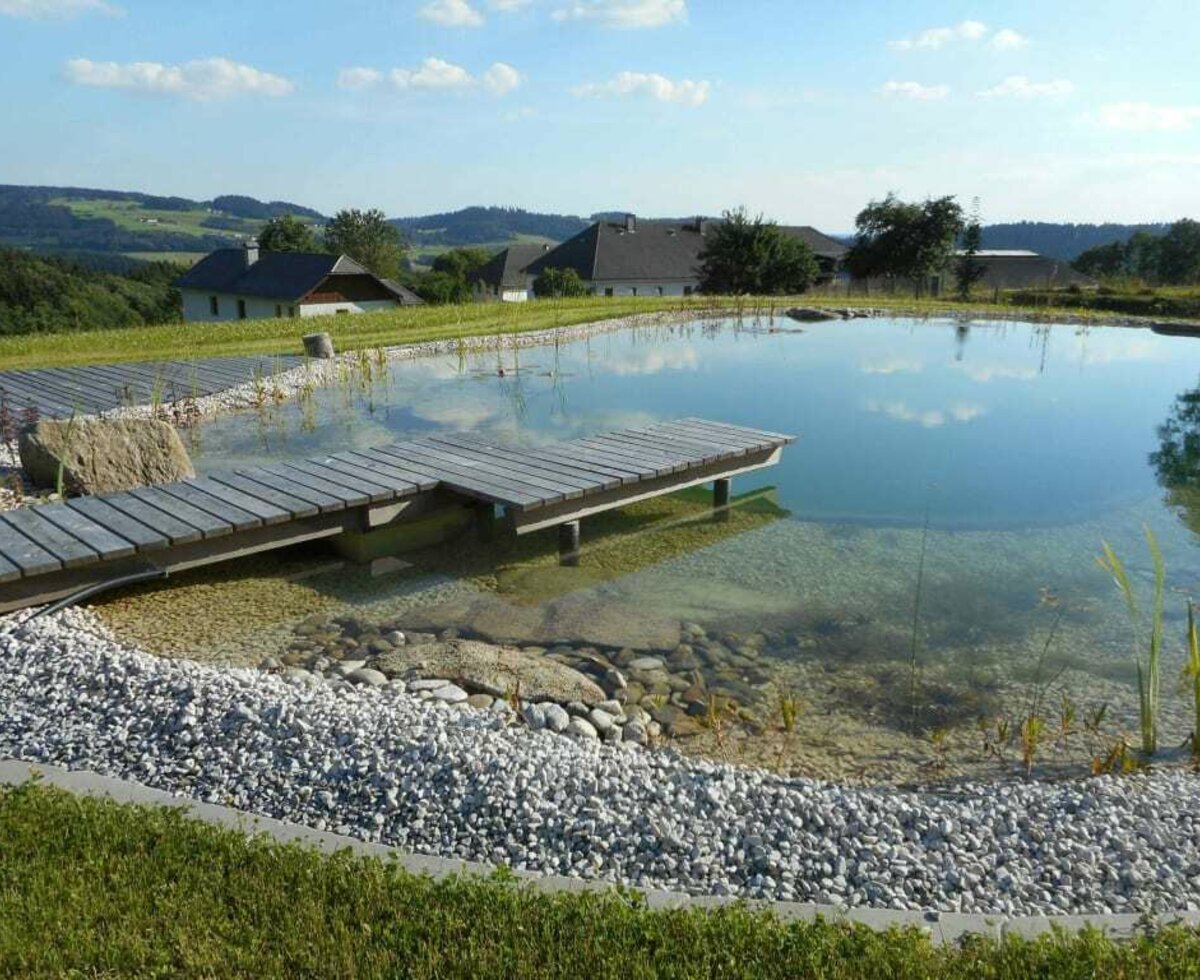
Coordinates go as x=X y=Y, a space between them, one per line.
x=968 y=270
x=462 y=262
x=558 y=284
x=750 y=255
x=441 y=287
x=1103 y=261
x=287 y=234
x=900 y=240
x=369 y=239
x=1179 y=254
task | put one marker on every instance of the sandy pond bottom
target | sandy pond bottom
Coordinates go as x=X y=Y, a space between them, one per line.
x=789 y=643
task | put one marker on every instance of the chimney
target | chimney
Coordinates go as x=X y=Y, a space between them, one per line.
x=631 y=222
x=251 y=251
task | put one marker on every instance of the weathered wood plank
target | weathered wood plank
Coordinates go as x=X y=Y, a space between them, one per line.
x=776 y=437
x=747 y=441
x=347 y=495
x=648 y=461
x=64 y=546
x=100 y=539
x=468 y=479
x=8 y=571
x=385 y=464
x=387 y=486
x=31 y=558
x=579 y=476
x=293 y=488
x=523 y=464
x=260 y=507
x=295 y=507
x=166 y=522
x=223 y=513
x=142 y=536
x=376 y=492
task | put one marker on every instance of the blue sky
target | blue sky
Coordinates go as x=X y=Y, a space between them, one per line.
x=803 y=109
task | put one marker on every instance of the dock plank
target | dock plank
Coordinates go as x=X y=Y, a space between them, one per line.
x=100 y=539
x=348 y=496
x=175 y=530
x=324 y=502
x=469 y=479
x=579 y=476
x=30 y=557
x=64 y=546
x=223 y=518
x=384 y=464
x=139 y=534
x=518 y=462
x=260 y=507
x=295 y=507
x=376 y=491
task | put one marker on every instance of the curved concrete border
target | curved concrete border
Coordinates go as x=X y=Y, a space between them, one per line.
x=943 y=927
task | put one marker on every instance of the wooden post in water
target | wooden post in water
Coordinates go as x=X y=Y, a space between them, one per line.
x=721 y=489
x=568 y=544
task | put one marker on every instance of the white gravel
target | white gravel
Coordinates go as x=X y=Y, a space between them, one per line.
x=436 y=779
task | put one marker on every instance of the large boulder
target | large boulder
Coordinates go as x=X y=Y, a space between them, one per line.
x=499 y=671
x=103 y=455
x=812 y=314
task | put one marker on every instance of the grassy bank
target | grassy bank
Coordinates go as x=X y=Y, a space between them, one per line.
x=91 y=888
x=416 y=324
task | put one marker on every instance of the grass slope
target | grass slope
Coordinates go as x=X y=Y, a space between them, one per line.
x=92 y=888
x=415 y=324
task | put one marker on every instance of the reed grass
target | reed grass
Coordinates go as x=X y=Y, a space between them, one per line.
x=1149 y=667
x=1192 y=673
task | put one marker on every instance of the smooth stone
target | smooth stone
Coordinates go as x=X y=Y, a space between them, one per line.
x=534 y=716
x=581 y=728
x=427 y=684
x=367 y=675
x=451 y=694
x=556 y=717
x=646 y=663
x=601 y=720
x=480 y=701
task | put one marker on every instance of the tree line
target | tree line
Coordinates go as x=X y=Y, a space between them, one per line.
x=1169 y=259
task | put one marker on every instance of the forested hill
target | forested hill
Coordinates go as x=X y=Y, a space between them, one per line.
x=87 y=219
x=478 y=225
x=1062 y=241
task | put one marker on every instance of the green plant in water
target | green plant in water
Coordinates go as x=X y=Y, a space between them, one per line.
x=1033 y=729
x=913 y=664
x=1192 y=674
x=1149 y=668
x=789 y=710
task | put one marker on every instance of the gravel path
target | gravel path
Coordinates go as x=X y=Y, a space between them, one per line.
x=384 y=766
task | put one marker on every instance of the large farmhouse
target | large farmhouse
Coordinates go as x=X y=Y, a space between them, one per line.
x=246 y=284
x=654 y=258
x=1020 y=269
x=505 y=277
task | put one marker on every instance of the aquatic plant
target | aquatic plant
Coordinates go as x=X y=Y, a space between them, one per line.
x=1033 y=729
x=68 y=438
x=913 y=664
x=1148 y=668
x=789 y=710
x=1117 y=758
x=1192 y=674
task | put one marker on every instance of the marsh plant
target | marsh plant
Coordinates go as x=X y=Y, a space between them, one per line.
x=1192 y=678
x=1149 y=674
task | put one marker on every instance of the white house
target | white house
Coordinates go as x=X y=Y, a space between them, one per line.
x=655 y=258
x=503 y=276
x=246 y=284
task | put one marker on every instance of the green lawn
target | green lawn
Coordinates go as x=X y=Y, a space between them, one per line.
x=414 y=324
x=90 y=888
x=132 y=216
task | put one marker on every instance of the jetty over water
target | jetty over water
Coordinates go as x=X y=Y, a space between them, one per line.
x=87 y=544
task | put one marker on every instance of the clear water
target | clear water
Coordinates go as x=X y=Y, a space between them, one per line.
x=1007 y=452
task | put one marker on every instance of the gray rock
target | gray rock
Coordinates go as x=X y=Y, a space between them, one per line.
x=534 y=715
x=602 y=721
x=635 y=732
x=103 y=455
x=580 y=728
x=646 y=664
x=427 y=684
x=811 y=314
x=368 y=676
x=451 y=694
x=556 y=717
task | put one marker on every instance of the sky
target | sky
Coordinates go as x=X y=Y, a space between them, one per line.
x=803 y=110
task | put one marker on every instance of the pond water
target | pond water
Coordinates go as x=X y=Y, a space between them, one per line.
x=922 y=554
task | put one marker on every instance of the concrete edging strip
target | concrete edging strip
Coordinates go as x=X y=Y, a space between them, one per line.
x=943 y=927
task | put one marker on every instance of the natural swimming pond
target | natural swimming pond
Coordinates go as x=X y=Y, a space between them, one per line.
x=922 y=554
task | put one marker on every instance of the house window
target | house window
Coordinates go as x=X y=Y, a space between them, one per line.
x=214 y=306
x=241 y=309
x=291 y=311
x=608 y=290
x=278 y=311
x=660 y=290
x=687 y=290
x=633 y=290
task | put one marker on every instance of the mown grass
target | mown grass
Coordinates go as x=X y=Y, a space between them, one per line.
x=92 y=888
x=416 y=324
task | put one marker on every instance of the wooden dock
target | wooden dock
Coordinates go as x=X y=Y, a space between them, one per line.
x=98 y=389
x=52 y=551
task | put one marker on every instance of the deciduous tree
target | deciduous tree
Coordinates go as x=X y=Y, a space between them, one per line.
x=287 y=234
x=369 y=239
x=904 y=240
x=744 y=255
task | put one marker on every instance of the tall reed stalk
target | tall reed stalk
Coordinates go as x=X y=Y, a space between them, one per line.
x=1149 y=673
x=1193 y=673
x=913 y=665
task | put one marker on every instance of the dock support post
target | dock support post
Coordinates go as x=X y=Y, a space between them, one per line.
x=721 y=490
x=568 y=544
x=485 y=520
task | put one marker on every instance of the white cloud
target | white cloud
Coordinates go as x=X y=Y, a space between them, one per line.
x=684 y=92
x=501 y=79
x=1021 y=87
x=939 y=37
x=203 y=79
x=51 y=9
x=451 y=13
x=508 y=6
x=1006 y=39
x=434 y=73
x=930 y=418
x=896 y=365
x=915 y=90
x=359 y=79
x=625 y=13
x=1146 y=116
x=985 y=373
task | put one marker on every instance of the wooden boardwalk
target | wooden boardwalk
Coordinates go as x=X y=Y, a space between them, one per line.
x=50 y=551
x=98 y=389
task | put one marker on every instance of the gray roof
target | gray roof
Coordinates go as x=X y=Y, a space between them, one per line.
x=276 y=275
x=1028 y=270
x=506 y=269
x=654 y=250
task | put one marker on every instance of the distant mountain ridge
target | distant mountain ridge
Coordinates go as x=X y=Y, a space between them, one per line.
x=78 y=219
